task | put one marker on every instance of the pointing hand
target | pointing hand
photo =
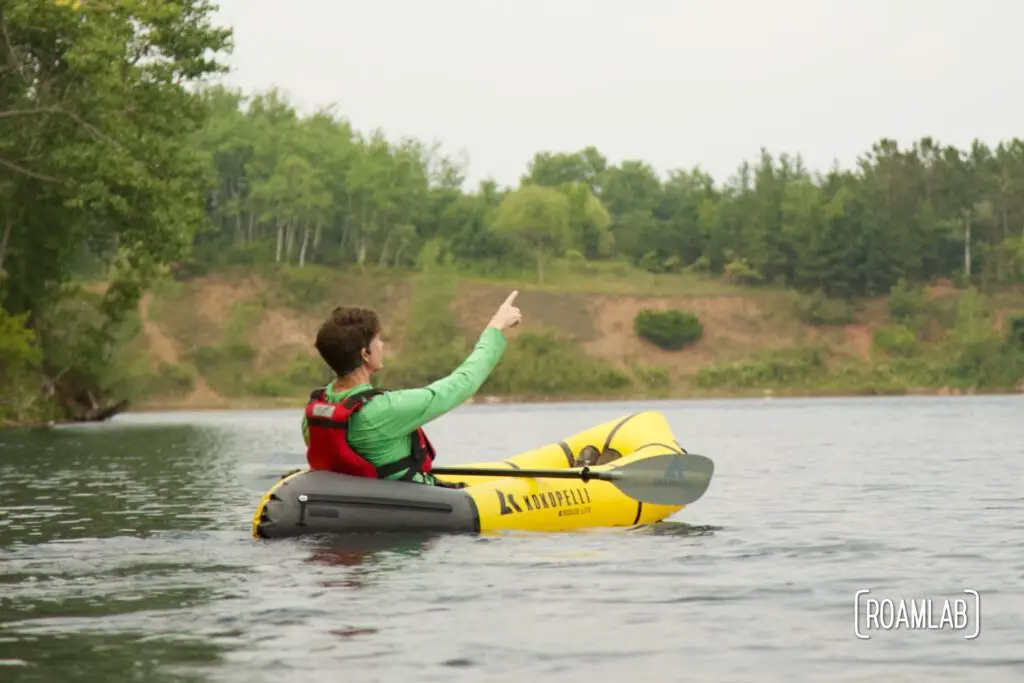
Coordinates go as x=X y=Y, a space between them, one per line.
x=507 y=314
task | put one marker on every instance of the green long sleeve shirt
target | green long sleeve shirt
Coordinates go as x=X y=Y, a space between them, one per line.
x=382 y=431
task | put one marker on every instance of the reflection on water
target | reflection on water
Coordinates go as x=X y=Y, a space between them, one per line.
x=125 y=555
x=366 y=556
x=370 y=550
x=673 y=528
x=65 y=484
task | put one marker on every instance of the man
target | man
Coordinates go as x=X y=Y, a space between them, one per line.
x=352 y=428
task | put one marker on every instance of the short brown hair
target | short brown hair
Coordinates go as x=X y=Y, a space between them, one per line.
x=342 y=337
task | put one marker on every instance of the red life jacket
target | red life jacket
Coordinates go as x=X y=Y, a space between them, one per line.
x=329 y=448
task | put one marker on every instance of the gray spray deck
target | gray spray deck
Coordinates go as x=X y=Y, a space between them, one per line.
x=325 y=502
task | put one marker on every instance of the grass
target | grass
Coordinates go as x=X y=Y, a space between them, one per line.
x=814 y=370
x=540 y=363
x=612 y=278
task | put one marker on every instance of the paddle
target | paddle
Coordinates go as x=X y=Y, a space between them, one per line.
x=669 y=479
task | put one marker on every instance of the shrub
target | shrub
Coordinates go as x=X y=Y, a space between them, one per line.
x=786 y=367
x=896 y=340
x=19 y=351
x=20 y=359
x=907 y=305
x=740 y=272
x=541 y=363
x=652 y=376
x=273 y=386
x=169 y=380
x=818 y=309
x=670 y=330
x=1015 y=332
x=225 y=366
x=293 y=375
x=307 y=289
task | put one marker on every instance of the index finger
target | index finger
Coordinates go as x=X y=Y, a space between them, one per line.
x=511 y=298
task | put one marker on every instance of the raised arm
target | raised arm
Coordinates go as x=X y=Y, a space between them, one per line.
x=406 y=410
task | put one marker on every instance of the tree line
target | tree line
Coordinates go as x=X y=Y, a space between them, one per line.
x=297 y=189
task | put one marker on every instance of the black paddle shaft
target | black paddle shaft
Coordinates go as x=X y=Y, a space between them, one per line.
x=585 y=473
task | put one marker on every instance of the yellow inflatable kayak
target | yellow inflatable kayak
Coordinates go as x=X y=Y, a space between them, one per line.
x=642 y=476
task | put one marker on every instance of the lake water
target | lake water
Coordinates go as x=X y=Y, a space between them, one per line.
x=125 y=556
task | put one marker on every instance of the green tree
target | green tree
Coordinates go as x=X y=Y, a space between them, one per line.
x=95 y=120
x=589 y=222
x=535 y=219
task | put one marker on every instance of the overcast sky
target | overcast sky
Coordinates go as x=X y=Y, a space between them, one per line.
x=677 y=83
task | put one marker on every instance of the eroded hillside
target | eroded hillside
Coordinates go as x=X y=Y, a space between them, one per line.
x=246 y=339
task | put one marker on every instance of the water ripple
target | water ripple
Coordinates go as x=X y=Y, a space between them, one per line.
x=124 y=555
